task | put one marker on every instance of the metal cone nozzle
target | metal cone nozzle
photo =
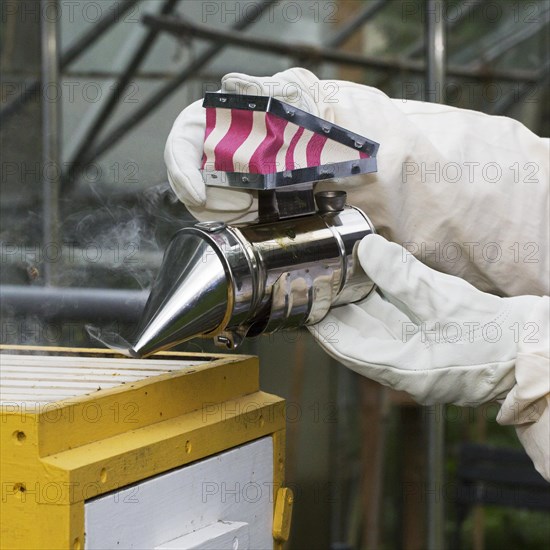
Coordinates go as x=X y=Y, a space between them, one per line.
x=112 y=340
x=190 y=296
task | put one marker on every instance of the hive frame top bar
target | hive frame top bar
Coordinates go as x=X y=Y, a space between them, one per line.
x=275 y=180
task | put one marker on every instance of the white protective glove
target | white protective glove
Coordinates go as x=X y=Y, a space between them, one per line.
x=441 y=340
x=464 y=191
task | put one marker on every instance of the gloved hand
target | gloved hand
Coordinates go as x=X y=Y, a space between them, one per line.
x=184 y=147
x=432 y=335
x=470 y=201
x=464 y=191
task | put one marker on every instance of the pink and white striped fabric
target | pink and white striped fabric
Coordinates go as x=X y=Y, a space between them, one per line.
x=257 y=142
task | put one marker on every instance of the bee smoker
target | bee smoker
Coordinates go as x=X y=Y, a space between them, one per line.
x=285 y=270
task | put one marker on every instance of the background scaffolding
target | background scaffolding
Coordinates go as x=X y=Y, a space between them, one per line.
x=88 y=95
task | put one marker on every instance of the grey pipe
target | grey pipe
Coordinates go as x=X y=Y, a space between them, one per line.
x=74 y=51
x=85 y=304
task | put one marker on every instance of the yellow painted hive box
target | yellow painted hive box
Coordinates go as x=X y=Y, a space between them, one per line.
x=176 y=451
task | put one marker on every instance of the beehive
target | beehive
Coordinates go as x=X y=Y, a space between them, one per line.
x=178 y=451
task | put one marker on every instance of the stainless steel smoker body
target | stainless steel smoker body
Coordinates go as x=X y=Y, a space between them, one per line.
x=285 y=270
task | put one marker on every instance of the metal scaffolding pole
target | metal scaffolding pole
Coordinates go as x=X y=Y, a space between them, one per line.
x=508 y=101
x=509 y=38
x=434 y=90
x=435 y=51
x=114 y=96
x=168 y=89
x=466 y=8
x=74 y=52
x=369 y=11
x=51 y=129
x=221 y=38
x=182 y=27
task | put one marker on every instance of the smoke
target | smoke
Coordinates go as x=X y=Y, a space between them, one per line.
x=161 y=203
x=107 y=240
x=123 y=236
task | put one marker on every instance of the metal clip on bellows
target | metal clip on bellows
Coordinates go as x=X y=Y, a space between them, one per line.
x=285 y=270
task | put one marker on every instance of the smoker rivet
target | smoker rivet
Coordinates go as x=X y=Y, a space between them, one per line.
x=252 y=105
x=223 y=99
x=290 y=113
x=214 y=176
x=326 y=129
x=358 y=144
x=244 y=179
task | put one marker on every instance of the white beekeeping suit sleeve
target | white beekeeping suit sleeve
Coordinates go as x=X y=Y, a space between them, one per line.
x=464 y=192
